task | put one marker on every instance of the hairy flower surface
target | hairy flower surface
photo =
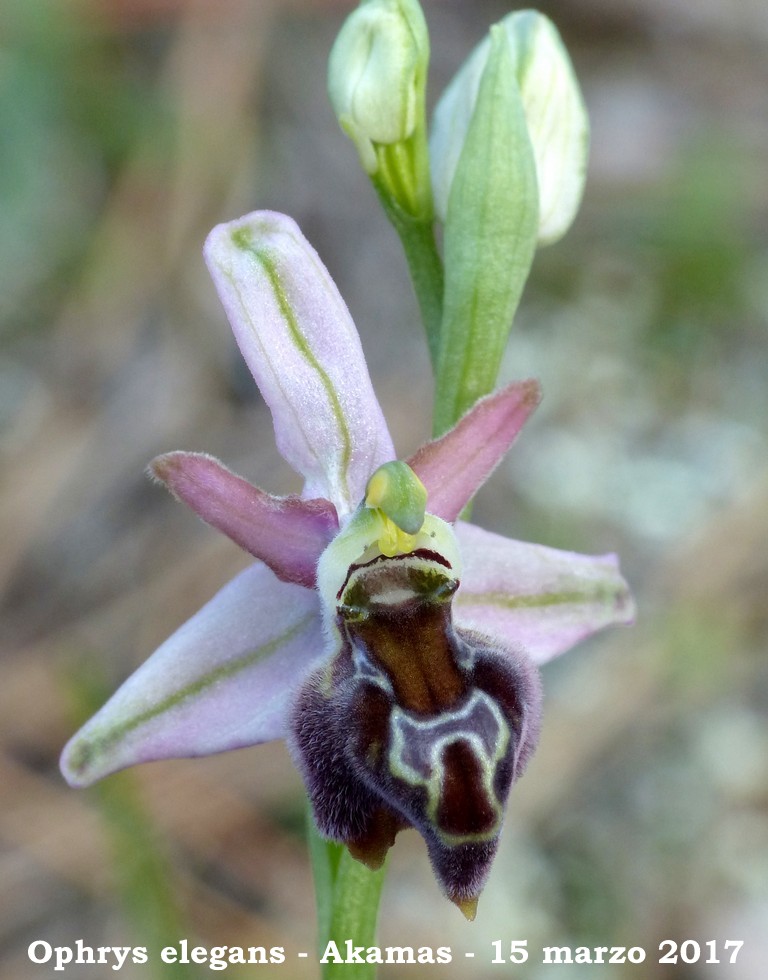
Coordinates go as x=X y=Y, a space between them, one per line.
x=394 y=647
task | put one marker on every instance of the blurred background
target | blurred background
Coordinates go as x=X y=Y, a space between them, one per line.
x=127 y=129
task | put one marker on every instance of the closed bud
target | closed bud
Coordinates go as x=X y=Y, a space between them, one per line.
x=555 y=116
x=377 y=74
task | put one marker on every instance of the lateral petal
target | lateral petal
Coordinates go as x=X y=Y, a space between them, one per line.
x=297 y=337
x=542 y=598
x=455 y=466
x=224 y=680
x=287 y=533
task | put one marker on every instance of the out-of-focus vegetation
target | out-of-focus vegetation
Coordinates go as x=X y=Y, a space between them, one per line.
x=127 y=128
x=74 y=102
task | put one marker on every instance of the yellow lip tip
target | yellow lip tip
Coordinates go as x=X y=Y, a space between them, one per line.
x=467 y=907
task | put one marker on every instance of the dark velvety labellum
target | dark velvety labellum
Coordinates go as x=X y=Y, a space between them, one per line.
x=415 y=723
x=465 y=808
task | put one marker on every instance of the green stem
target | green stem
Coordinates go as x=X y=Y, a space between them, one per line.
x=402 y=183
x=426 y=268
x=325 y=857
x=347 y=895
x=425 y=265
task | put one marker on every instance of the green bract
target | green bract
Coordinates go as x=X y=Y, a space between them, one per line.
x=490 y=239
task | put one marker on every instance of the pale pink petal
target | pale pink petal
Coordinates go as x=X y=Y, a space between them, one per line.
x=545 y=599
x=287 y=533
x=222 y=681
x=456 y=465
x=298 y=339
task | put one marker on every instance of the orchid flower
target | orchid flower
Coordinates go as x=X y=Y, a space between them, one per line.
x=395 y=647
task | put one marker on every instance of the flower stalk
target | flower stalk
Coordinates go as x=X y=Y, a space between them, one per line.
x=347 y=895
x=425 y=265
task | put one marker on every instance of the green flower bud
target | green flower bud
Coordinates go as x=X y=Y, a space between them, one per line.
x=555 y=116
x=377 y=75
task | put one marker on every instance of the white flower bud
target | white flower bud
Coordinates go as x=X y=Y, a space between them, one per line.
x=557 y=121
x=376 y=74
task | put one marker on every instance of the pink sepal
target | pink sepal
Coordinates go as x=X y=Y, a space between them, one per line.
x=456 y=465
x=287 y=533
x=222 y=681
x=544 y=599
